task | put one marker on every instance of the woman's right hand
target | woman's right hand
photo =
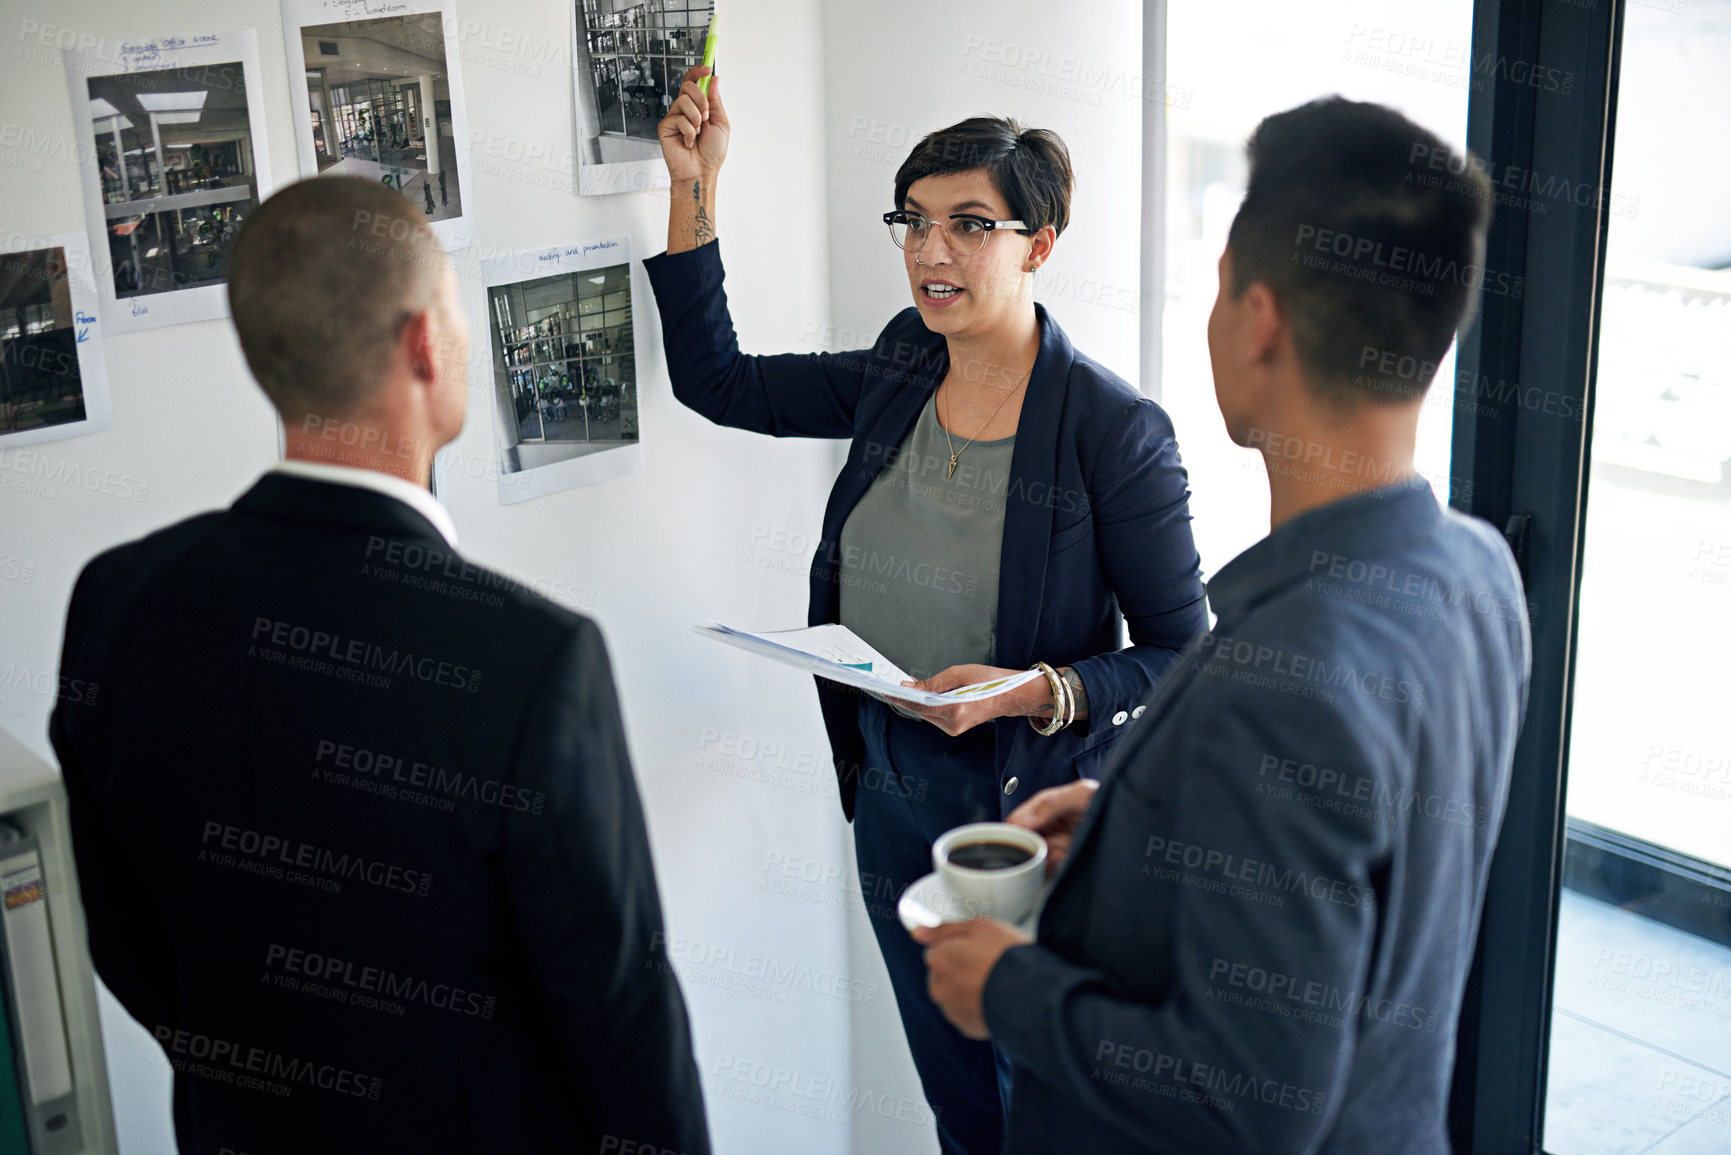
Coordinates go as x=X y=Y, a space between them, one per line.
x=694 y=131
x=1054 y=814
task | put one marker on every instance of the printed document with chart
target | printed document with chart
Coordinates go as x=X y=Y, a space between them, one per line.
x=837 y=653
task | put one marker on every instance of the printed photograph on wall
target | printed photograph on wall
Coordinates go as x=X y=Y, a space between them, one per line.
x=627 y=63
x=559 y=323
x=381 y=99
x=53 y=380
x=177 y=159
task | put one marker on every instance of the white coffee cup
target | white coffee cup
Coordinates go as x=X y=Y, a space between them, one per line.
x=1007 y=893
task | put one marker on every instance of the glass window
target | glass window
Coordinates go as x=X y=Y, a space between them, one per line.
x=1280 y=55
x=1640 y=1056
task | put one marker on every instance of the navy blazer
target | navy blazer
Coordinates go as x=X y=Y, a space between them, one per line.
x=1260 y=938
x=1096 y=518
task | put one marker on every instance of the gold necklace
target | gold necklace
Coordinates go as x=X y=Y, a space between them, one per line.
x=955 y=454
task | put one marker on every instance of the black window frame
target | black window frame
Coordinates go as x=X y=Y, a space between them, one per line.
x=1526 y=471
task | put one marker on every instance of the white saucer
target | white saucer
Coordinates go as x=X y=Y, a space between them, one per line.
x=927 y=903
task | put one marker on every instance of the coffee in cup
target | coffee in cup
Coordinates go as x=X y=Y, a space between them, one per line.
x=990 y=869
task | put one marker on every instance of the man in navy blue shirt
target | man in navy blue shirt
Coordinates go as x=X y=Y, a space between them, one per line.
x=1265 y=914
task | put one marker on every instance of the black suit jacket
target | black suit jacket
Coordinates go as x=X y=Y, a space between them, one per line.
x=360 y=843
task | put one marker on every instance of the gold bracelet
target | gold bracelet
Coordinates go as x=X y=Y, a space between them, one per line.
x=1077 y=691
x=1060 y=699
x=1069 y=703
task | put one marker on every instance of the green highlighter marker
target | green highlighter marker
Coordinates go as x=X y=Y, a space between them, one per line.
x=709 y=52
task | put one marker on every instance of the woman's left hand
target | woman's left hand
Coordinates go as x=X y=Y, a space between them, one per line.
x=1033 y=698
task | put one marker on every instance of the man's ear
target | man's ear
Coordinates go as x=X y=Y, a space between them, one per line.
x=1265 y=322
x=417 y=342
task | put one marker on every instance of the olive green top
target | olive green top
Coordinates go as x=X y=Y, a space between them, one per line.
x=919 y=553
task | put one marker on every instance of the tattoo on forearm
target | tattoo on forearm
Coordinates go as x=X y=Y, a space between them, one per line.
x=1077 y=691
x=703 y=228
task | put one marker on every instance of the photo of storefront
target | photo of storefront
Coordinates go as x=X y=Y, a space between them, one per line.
x=40 y=384
x=631 y=57
x=174 y=151
x=564 y=365
x=379 y=100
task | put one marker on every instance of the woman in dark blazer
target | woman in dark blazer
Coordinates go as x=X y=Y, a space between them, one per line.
x=1006 y=501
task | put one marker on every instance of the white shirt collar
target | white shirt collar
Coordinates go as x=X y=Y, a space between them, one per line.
x=403 y=490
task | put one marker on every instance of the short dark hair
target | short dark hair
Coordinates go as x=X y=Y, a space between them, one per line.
x=1371 y=232
x=1029 y=166
x=320 y=281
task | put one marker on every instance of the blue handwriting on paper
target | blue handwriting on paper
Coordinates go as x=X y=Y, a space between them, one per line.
x=84 y=318
x=133 y=55
x=139 y=308
x=576 y=250
x=83 y=335
x=367 y=7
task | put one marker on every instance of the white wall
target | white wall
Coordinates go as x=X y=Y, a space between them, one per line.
x=648 y=555
x=898 y=69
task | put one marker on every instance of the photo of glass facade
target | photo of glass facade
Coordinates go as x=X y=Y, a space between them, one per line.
x=564 y=364
x=637 y=54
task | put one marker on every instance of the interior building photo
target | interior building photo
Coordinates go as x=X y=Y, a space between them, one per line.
x=631 y=57
x=564 y=365
x=174 y=147
x=39 y=378
x=380 y=103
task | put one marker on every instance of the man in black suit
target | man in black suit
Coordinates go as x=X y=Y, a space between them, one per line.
x=1263 y=925
x=354 y=818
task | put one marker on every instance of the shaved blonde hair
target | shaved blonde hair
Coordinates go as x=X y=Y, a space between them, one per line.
x=321 y=281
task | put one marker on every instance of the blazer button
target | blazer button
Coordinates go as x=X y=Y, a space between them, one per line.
x=1137 y=712
x=1119 y=718
x=1010 y=786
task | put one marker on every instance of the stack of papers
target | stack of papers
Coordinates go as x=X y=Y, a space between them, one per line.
x=837 y=653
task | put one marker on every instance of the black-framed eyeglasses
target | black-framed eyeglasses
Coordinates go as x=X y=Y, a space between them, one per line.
x=966 y=233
